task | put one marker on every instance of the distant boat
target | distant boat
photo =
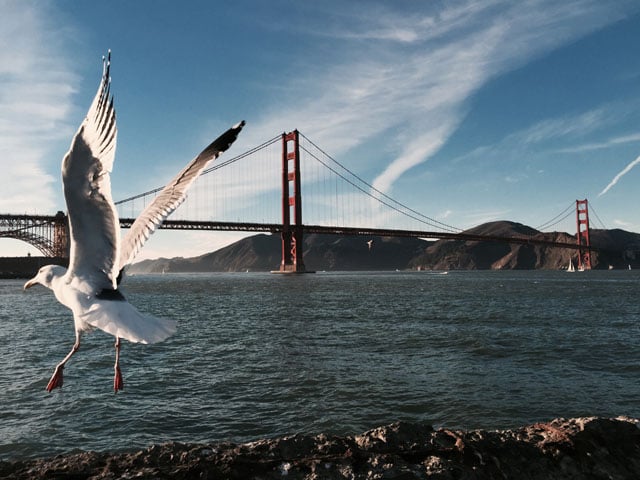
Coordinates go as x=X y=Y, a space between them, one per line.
x=571 y=268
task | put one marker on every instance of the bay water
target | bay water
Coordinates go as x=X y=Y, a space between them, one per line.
x=259 y=355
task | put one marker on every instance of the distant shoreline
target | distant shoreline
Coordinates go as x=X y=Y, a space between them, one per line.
x=26 y=267
x=617 y=249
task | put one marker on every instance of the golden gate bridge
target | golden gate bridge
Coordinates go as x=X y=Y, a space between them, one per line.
x=261 y=190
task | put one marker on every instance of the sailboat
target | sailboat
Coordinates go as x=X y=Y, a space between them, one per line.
x=571 y=268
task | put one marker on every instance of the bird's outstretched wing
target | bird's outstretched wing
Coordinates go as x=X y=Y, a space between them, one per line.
x=171 y=196
x=93 y=220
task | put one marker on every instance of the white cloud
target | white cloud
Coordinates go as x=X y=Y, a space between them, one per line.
x=418 y=149
x=479 y=217
x=625 y=225
x=622 y=173
x=570 y=125
x=34 y=105
x=612 y=142
x=565 y=128
x=515 y=178
x=409 y=77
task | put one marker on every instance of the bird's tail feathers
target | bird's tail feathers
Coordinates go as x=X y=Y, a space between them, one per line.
x=123 y=320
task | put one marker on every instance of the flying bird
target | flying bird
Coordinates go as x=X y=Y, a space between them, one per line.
x=97 y=257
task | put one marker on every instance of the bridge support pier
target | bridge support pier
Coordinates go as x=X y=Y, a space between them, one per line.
x=61 y=236
x=582 y=235
x=292 y=246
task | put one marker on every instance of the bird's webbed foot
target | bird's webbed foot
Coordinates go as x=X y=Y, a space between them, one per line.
x=56 y=379
x=118 y=383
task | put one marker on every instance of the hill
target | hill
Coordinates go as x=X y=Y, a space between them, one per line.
x=617 y=249
x=483 y=255
x=334 y=252
x=321 y=252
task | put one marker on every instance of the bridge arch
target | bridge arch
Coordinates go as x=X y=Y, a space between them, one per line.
x=42 y=244
x=48 y=234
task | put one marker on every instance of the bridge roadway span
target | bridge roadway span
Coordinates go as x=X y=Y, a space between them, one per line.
x=14 y=227
x=355 y=231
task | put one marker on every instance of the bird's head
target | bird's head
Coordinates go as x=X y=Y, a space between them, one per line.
x=46 y=275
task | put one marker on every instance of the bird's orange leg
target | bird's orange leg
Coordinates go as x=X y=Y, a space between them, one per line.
x=57 y=379
x=118 y=384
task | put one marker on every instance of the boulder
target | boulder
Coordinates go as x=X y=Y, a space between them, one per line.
x=578 y=448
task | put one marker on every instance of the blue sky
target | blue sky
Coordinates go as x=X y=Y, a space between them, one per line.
x=467 y=111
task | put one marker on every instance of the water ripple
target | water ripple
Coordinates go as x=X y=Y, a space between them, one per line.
x=258 y=355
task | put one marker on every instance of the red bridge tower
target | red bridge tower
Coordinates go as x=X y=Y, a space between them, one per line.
x=292 y=245
x=582 y=222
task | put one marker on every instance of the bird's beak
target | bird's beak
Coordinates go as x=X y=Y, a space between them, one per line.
x=30 y=283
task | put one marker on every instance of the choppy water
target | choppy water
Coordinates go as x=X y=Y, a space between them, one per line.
x=260 y=355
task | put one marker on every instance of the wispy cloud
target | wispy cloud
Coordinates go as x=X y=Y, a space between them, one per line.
x=35 y=102
x=612 y=142
x=382 y=24
x=515 y=178
x=564 y=127
x=535 y=140
x=409 y=77
x=624 y=224
x=622 y=173
x=479 y=217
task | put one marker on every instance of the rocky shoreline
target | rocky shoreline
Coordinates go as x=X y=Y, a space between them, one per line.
x=578 y=448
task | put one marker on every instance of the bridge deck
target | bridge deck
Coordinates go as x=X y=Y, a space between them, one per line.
x=359 y=231
x=12 y=224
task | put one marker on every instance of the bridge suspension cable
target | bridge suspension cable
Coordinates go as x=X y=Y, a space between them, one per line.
x=383 y=198
x=558 y=218
x=242 y=155
x=208 y=170
x=592 y=210
x=236 y=185
x=334 y=195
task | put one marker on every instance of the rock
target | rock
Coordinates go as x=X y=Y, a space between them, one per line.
x=579 y=448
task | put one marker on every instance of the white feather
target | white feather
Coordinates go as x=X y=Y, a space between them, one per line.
x=94 y=226
x=172 y=195
x=89 y=286
x=122 y=320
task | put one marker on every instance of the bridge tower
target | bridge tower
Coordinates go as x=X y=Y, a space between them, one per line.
x=582 y=235
x=292 y=245
x=60 y=236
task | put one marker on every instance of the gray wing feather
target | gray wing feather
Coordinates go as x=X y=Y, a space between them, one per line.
x=93 y=220
x=172 y=195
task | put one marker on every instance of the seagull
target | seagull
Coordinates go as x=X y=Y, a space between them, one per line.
x=97 y=257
